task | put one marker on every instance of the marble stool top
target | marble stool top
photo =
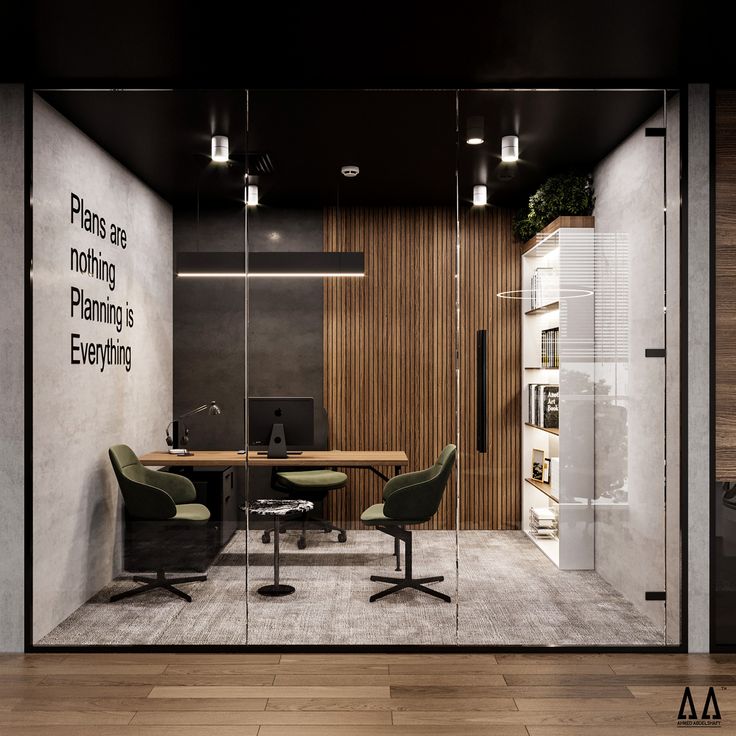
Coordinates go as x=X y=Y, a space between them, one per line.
x=279 y=506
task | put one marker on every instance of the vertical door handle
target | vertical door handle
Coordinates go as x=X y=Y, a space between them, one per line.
x=481 y=393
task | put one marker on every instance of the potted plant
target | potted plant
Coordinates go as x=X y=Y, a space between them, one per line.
x=565 y=194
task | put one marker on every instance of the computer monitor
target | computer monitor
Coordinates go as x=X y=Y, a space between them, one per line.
x=280 y=422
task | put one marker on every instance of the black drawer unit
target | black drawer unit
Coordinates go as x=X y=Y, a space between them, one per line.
x=216 y=489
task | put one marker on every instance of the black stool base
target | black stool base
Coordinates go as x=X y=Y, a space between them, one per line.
x=276 y=590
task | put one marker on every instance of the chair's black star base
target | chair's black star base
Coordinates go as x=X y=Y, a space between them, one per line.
x=160 y=581
x=309 y=523
x=276 y=590
x=400 y=534
x=401 y=583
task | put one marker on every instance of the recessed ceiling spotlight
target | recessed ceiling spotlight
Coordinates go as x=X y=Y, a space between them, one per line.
x=510 y=148
x=475 y=131
x=351 y=171
x=220 y=148
x=480 y=195
x=251 y=195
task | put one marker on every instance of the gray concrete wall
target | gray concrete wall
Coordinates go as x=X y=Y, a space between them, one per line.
x=80 y=410
x=699 y=349
x=11 y=367
x=284 y=340
x=637 y=398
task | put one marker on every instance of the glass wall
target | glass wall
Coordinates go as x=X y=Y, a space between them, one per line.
x=564 y=379
x=420 y=345
x=367 y=346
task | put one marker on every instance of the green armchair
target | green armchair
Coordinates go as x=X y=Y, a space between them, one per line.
x=156 y=504
x=411 y=498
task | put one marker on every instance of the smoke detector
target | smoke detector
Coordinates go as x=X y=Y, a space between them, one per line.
x=350 y=171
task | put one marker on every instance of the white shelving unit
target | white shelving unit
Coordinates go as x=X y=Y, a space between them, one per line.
x=569 y=305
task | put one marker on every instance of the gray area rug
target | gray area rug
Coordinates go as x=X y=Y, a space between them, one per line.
x=504 y=592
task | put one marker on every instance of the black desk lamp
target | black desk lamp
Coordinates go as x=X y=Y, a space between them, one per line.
x=172 y=438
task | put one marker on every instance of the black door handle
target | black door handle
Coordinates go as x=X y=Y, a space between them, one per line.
x=481 y=392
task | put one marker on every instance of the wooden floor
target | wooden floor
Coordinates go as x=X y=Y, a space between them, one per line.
x=363 y=694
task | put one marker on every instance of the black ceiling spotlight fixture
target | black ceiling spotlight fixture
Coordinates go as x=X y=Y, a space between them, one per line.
x=276 y=264
x=475 y=132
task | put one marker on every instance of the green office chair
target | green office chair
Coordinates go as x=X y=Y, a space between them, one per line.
x=156 y=503
x=412 y=498
x=310 y=484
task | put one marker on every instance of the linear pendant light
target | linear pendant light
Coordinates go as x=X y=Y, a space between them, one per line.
x=281 y=264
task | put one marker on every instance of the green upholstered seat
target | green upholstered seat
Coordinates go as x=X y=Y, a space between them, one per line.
x=321 y=480
x=193 y=513
x=412 y=498
x=158 y=505
x=152 y=494
x=374 y=515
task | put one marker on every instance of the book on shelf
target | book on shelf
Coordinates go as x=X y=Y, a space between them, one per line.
x=550 y=350
x=554 y=475
x=543 y=405
x=542 y=290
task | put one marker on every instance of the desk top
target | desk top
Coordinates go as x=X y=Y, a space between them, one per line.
x=316 y=458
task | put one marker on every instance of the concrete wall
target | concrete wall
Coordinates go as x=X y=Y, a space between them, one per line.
x=80 y=410
x=699 y=350
x=285 y=324
x=11 y=367
x=637 y=540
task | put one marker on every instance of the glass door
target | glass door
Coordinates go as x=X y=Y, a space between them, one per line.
x=568 y=378
x=351 y=249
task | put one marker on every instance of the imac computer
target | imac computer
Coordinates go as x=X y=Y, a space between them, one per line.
x=280 y=422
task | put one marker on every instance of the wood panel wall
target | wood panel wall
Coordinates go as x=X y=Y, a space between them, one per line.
x=490 y=263
x=389 y=354
x=725 y=276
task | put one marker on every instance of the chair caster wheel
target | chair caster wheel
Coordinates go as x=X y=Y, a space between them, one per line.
x=301 y=543
x=266 y=538
x=342 y=537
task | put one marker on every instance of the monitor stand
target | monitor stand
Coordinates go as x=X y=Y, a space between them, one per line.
x=277 y=444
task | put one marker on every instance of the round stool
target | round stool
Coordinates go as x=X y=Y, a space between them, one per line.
x=278 y=509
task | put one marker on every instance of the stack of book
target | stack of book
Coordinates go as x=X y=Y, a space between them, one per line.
x=542 y=292
x=544 y=405
x=543 y=522
x=550 y=353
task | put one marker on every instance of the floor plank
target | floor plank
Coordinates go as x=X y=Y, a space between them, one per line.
x=136 y=704
x=235 y=691
x=268 y=717
x=504 y=668
x=290 y=668
x=462 y=691
x=526 y=718
x=395 y=730
x=650 y=730
x=132 y=730
x=66 y=717
x=391 y=704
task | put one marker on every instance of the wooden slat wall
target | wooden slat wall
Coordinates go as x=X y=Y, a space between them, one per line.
x=389 y=343
x=490 y=482
x=725 y=275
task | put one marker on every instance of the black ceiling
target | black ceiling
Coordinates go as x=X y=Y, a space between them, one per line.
x=404 y=142
x=378 y=44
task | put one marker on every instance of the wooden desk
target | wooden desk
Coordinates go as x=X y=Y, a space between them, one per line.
x=369 y=459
